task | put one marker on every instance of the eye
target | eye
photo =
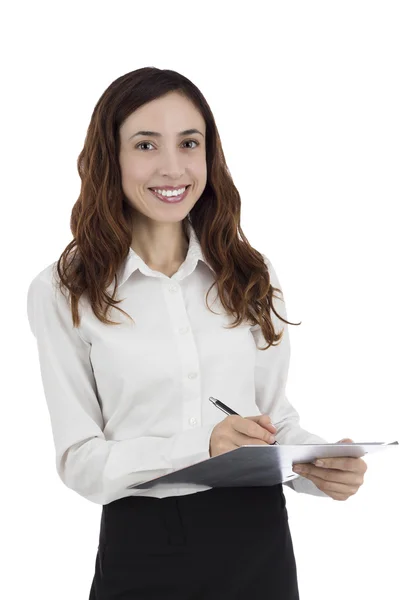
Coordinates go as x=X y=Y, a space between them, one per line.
x=185 y=142
x=195 y=141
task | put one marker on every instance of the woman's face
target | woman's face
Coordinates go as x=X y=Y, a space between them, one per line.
x=168 y=159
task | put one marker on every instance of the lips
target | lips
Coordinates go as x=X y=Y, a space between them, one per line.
x=169 y=189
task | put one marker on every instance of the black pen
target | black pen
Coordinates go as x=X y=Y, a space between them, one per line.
x=229 y=411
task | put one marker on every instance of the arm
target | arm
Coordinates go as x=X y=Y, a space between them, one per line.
x=271 y=373
x=96 y=468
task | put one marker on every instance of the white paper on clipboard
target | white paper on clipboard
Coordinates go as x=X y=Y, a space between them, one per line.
x=262 y=465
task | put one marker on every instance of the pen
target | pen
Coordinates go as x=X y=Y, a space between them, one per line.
x=229 y=411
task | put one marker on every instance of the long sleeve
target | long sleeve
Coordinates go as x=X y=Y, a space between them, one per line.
x=96 y=468
x=271 y=373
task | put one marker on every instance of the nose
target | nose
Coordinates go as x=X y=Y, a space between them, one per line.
x=172 y=166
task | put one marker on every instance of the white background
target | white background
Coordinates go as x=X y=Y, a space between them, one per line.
x=306 y=98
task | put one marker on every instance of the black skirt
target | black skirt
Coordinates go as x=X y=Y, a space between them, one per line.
x=221 y=543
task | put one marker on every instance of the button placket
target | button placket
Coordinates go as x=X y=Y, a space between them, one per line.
x=188 y=352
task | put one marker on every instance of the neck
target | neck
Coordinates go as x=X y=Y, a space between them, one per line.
x=162 y=246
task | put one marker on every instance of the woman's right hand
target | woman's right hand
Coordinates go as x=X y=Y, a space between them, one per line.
x=236 y=431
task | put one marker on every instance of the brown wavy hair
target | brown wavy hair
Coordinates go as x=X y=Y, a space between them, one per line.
x=101 y=218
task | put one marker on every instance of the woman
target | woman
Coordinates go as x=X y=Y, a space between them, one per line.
x=129 y=400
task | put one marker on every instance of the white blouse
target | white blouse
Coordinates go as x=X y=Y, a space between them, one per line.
x=130 y=402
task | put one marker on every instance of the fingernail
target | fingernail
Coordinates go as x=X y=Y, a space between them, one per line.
x=272 y=439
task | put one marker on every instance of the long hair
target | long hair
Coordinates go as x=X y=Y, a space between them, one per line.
x=101 y=218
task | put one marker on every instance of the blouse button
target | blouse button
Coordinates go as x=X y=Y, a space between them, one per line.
x=192 y=375
x=173 y=288
x=192 y=420
x=184 y=330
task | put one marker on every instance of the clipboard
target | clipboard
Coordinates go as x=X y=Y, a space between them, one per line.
x=260 y=465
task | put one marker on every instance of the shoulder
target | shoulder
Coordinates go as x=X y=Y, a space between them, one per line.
x=271 y=270
x=47 y=300
x=44 y=282
x=44 y=292
x=266 y=259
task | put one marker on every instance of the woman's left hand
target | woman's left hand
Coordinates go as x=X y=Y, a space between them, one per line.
x=339 y=477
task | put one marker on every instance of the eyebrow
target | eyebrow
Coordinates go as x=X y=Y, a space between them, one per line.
x=156 y=134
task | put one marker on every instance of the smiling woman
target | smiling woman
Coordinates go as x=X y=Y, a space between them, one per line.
x=116 y=211
x=129 y=400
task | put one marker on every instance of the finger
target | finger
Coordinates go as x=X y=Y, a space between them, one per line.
x=264 y=421
x=252 y=429
x=342 y=464
x=335 y=487
x=334 y=476
x=245 y=440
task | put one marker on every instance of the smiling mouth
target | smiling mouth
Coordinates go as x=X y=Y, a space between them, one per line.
x=172 y=199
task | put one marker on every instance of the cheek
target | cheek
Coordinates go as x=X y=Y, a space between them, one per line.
x=133 y=176
x=199 y=172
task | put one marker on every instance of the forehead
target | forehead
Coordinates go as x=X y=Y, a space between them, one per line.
x=169 y=114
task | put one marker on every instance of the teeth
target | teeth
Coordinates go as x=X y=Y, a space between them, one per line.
x=170 y=192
